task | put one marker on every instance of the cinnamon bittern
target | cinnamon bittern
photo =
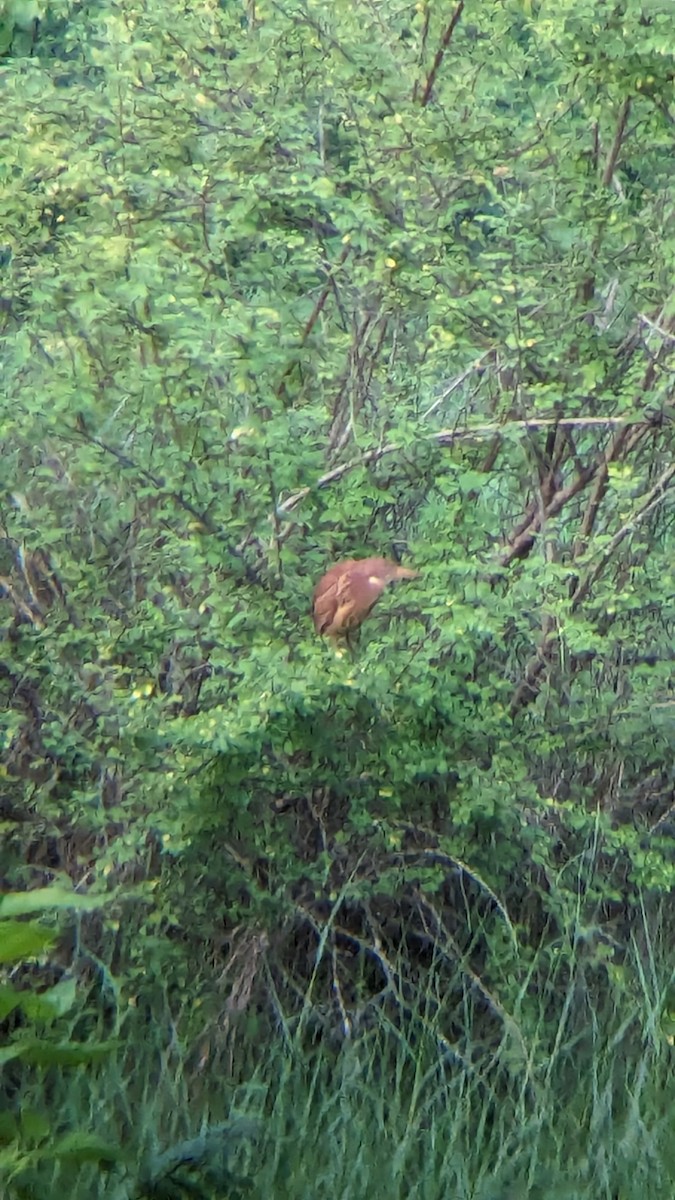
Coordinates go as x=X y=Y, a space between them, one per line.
x=345 y=595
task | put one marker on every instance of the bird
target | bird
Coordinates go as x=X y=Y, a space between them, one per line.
x=347 y=592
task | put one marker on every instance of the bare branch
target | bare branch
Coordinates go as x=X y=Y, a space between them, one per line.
x=528 y=688
x=625 y=440
x=525 y=540
x=598 y=492
x=440 y=54
x=663 y=333
x=454 y=384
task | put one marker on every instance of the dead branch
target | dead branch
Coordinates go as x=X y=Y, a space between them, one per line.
x=455 y=383
x=626 y=440
x=523 y=543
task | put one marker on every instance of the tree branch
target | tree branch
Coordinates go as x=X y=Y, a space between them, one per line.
x=448 y=437
x=440 y=53
x=610 y=165
x=314 y=316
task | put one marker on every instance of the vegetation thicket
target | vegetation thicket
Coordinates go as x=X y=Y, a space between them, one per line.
x=283 y=284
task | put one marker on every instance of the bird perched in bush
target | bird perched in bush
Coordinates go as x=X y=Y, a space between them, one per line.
x=345 y=595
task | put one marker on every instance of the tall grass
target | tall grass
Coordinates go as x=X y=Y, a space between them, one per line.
x=393 y=1112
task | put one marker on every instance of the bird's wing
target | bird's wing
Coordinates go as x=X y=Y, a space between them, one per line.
x=333 y=606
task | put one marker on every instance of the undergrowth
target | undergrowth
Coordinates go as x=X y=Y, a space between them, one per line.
x=188 y=1104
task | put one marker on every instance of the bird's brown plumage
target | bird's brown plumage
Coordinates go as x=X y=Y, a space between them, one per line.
x=344 y=596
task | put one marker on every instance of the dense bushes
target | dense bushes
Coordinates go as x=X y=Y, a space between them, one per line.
x=282 y=285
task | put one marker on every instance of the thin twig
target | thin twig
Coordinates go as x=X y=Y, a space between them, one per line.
x=314 y=315
x=453 y=385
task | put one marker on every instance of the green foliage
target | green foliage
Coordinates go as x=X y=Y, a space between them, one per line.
x=393 y=1112
x=283 y=283
x=22 y=939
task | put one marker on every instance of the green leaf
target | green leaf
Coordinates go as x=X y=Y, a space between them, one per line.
x=80 y=1147
x=19 y=903
x=35 y=1126
x=63 y=1054
x=9 y=1129
x=23 y=939
x=9 y=1000
x=50 y=1004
